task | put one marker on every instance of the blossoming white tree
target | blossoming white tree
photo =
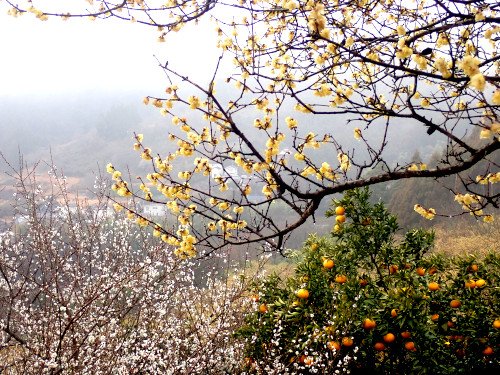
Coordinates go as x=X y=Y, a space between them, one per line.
x=83 y=292
x=377 y=67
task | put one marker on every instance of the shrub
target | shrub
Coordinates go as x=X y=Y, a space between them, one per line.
x=386 y=306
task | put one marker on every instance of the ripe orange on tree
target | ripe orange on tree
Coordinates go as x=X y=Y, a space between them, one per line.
x=347 y=341
x=363 y=282
x=488 y=350
x=263 y=308
x=341 y=279
x=405 y=335
x=394 y=313
x=303 y=293
x=496 y=324
x=328 y=263
x=480 y=283
x=340 y=219
x=379 y=346
x=432 y=271
x=474 y=267
x=389 y=337
x=410 y=345
x=255 y=298
x=339 y=210
x=455 y=303
x=433 y=286
x=434 y=317
x=333 y=345
x=369 y=323
x=420 y=271
x=470 y=284
x=393 y=269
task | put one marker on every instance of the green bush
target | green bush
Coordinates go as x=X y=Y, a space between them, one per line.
x=375 y=310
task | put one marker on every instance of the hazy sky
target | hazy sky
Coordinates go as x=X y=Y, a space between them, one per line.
x=56 y=55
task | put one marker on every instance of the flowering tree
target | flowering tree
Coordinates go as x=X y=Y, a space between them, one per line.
x=85 y=292
x=388 y=65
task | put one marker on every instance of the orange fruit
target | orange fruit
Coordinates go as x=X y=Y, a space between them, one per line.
x=432 y=271
x=455 y=303
x=363 y=282
x=314 y=246
x=389 y=337
x=366 y=221
x=488 y=350
x=394 y=313
x=434 y=317
x=339 y=210
x=347 y=341
x=393 y=269
x=474 y=267
x=379 y=346
x=341 y=279
x=302 y=358
x=263 y=308
x=336 y=228
x=333 y=345
x=480 y=283
x=405 y=335
x=328 y=263
x=309 y=360
x=304 y=279
x=470 y=284
x=255 y=298
x=410 y=345
x=496 y=324
x=433 y=286
x=369 y=324
x=303 y=293
x=340 y=219
x=420 y=271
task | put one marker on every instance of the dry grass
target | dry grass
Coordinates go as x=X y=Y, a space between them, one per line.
x=464 y=239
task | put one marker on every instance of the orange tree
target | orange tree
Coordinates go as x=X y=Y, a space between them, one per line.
x=308 y=78
x=384 y=307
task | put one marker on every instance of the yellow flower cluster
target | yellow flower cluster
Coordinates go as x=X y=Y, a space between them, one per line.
x=194 y=102
x=442 y=66
x=403 y=50
x=469 y=202
x=491 y=178
x=488 y=131
x=470 y=66
x=427 y=213
x=345 y=164
x=273 y=145
x=202 y=165
x=317 y=20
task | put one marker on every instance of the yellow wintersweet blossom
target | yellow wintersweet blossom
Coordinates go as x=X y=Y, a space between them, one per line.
x=357 y=133
x=495 y=99
x=489 y=219
x=116 y=175
x=345 y=164
x=211 y=226
x=470 y=65
x=117 y=207
x=442 y=66
x=400 y=30
x=427 y=213
x=238 y=210
x=194 y=102
x=478 y=81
